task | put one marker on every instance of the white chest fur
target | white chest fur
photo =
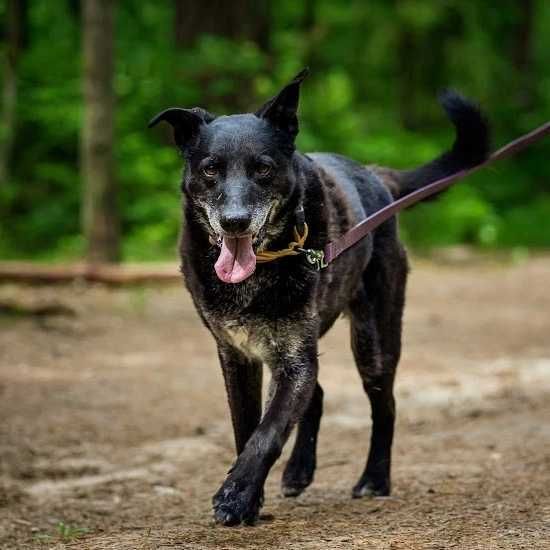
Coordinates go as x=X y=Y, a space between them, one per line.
x=245 y=341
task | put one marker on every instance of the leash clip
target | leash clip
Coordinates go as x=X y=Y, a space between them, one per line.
x=314 y=257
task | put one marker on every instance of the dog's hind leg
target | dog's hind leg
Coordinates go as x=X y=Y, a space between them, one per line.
x=243 y=383
x=300 y=468
x=376 y=342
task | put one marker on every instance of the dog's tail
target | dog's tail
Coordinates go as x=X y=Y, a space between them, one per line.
x=471 y=147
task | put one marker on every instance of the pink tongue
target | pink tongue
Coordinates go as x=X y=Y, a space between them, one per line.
x=237 y=260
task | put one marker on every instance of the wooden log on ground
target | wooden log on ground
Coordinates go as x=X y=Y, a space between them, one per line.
x=112 y=274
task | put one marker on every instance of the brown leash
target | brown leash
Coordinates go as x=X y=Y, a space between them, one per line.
x=322 y=258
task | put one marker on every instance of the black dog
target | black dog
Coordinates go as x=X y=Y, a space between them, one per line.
x=244 y=187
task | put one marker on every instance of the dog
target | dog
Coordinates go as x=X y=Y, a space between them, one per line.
x=244 y=185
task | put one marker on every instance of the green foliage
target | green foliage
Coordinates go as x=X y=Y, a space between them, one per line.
x=64 y=533
x=376 y=69
x=70 y=532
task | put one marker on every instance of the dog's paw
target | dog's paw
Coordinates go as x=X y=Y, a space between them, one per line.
x=297 y=476
x=370 y=486
x=236 y=503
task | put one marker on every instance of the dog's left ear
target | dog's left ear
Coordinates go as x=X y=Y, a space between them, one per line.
x=280 y=111
x=185 y=122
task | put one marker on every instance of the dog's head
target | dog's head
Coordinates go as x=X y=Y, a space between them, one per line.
x=238 y=172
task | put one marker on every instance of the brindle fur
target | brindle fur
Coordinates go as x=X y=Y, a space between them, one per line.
x=276 y=317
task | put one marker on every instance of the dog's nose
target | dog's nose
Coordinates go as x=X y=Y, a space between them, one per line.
x=235 y=222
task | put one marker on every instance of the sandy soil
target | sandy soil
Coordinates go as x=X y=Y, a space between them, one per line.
x=114 y=423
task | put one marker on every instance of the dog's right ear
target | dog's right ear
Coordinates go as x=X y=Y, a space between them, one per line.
x=281 y=111
x=185 y=122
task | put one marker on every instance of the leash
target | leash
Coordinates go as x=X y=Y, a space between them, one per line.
x=322 y=258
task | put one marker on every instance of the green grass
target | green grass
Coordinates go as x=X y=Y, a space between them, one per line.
x=64 y=533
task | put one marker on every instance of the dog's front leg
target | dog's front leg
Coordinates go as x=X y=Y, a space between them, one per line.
x=243 y=384
x=240 y=497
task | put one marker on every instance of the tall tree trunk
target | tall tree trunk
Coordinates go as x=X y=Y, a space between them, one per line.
x=237 y=19
x=16 y=17
x=523 y=53
x=99 y=209
x=406 y=48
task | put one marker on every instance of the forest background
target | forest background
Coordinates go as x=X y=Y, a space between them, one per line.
x=80 y=175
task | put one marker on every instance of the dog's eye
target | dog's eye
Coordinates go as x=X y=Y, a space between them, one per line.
x=210 y=170
x=263 y=170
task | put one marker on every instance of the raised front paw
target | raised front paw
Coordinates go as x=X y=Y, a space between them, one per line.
x=237 y=502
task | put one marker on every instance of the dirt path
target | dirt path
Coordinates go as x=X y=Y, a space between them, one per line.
x=114 y=422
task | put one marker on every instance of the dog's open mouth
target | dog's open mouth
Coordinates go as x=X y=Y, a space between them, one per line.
x=237 y=260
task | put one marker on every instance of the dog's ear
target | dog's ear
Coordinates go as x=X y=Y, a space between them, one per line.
x=185 y=122
x=280 y=111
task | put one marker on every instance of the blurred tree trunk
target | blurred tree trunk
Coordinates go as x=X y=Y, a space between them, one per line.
x=99 y=207
x=422 y=64
x=237 y=19
x=314 y=36
x=523 y=53
x=406 y=50
x=16 y=11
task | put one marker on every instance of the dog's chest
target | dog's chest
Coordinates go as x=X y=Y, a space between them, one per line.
x=247 y=341
x=261 y=341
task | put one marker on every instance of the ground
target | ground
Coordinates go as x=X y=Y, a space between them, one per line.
x=115 y=431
